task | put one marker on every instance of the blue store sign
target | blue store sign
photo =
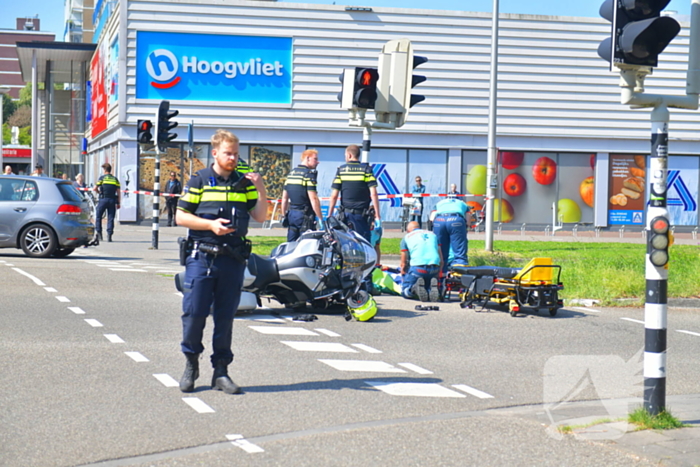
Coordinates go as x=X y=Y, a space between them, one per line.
x=212 y=67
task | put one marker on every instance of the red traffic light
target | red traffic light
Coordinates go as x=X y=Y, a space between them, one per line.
x=145 y=125
x=659 y=225
x=367 y=78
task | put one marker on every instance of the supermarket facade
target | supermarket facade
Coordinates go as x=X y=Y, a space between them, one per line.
x=269 y=71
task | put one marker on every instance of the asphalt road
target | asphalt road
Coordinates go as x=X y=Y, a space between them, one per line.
x=90 y=347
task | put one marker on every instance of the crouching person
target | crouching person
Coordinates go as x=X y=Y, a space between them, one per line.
x=421 y=262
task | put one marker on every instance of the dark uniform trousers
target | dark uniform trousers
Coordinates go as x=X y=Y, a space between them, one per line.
x=296 y=218
x=359 y=224
x=451 y=231
x=110 y=206
x=212 y=280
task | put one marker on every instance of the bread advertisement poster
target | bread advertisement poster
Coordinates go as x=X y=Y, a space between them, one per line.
x=627 y=198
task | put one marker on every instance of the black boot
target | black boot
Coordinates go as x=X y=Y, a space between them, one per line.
x=191 y=372
x=109 y=237
x=221 y=381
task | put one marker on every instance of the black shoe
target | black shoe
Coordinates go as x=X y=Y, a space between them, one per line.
x=169 y=225
x=434 y=290
x=221 y=381
x=420 y=290
x=109 y=237
x=191 y=372
x=99 y=235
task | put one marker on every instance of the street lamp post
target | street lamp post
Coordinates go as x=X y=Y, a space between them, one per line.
x=3 y=90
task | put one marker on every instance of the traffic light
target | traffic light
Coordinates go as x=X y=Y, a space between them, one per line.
x=659 y=242
x=402 y=80
x=164 y=125
x=639 y=32
x=143 y=132
x=364 y=93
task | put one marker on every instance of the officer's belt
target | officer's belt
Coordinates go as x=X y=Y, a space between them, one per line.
x=299 y=208
x=355 y=211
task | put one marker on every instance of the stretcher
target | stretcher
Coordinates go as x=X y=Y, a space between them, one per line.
x=534 y=286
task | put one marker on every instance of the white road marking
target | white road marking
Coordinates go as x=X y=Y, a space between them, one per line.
x=247 y=446
x=689 y=332
x=136 y=356
x=633 y=320
x=362 y=365
x=416 y=368
x=112 y=264
x=167 y=380
x=261 y=318
x=327 y=332
x=26 y=274
x=62 y=299
x=114 y=339
x=94 y=323
x=50 y=289
x=77 y=310
x=198 y=405
x=591 y=310
x=165 y=271
x=129 y=270
x=472 y=391
x=9 y=265
x=319 y=346
x=414 y=389
x=289 y=331
x=366 y=348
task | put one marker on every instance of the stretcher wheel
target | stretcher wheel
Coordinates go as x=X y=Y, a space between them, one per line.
x=514 y=308
x=553 y=311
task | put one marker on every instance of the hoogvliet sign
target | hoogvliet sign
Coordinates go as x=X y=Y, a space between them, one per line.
x=212 y=67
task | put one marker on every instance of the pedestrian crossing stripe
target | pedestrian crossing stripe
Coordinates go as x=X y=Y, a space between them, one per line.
x=283 y=330
x=362 y=365
x=319 y=346
x=394 y=388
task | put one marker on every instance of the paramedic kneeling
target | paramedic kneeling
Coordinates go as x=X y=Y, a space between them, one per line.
x=421 y=262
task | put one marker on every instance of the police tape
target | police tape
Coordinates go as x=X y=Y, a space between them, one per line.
x=382 y=196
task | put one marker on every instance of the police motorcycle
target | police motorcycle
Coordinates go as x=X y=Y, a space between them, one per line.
x=323 y=268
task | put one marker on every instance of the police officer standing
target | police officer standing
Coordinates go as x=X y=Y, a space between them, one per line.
x=110 y=199
x=358 y=187
x=216 y=206
x=173 y=187
x=450 y=226
x=300 y=201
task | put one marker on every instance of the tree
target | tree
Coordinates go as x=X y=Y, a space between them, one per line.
x=22 y=117
x=25 y=96
x=8 y=107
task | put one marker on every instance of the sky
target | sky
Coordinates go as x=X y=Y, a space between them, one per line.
x=51 y=12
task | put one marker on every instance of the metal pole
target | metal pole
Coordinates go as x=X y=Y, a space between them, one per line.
x=655 y=307
x=3 y=90
x=491 y=155
x=156 y=201
x=366 y=143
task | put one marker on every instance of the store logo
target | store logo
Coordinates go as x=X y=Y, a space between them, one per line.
x=685 y=198
x=386 y=182
x=162 y=66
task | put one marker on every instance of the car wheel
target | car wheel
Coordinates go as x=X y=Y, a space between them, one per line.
x=38 y=241
x=62 y=252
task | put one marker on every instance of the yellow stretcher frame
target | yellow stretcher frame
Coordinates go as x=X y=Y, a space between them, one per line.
x=533 y=287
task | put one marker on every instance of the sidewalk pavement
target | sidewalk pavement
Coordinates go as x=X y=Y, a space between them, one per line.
x=679 y=447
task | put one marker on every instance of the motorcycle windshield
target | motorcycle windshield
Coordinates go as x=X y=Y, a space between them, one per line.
x=356 y=259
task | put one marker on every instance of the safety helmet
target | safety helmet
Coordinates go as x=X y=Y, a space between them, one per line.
x=362 y=306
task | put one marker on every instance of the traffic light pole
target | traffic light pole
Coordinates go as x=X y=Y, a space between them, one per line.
x=656 y=303
x=366 y=143
x=492 y=153
x=156 y=202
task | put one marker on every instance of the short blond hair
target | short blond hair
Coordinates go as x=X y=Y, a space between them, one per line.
x=308 y=153
x=354 y=151
x=223 y=136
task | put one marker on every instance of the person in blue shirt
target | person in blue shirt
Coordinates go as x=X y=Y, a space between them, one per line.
x=421 y=262
x=418 y=189
x=450 y=227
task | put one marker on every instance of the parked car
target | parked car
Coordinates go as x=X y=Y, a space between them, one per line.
x=43 y=216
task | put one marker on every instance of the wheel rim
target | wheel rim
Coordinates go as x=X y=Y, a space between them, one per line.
x=37 y=240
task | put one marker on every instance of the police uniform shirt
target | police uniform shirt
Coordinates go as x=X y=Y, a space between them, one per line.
x=207 y=194
x=300 y=181
x=243 y=167
x=353 y=180
x=108 y=186
x=422 y=248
